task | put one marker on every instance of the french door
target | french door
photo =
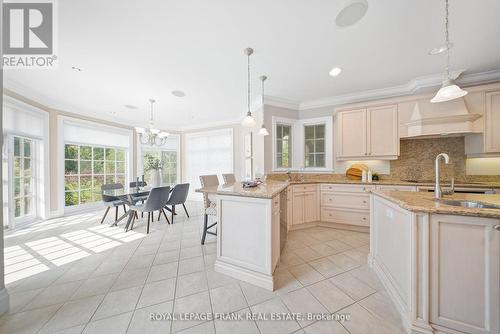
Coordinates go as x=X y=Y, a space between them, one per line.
x=22 y=171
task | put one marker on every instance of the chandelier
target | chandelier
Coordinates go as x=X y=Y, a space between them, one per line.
x=151 y=135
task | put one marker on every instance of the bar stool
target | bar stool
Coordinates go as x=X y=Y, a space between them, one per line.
x=229 y=178
x=209 y=206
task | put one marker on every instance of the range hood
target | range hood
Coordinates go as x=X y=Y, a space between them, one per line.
x=450 y=118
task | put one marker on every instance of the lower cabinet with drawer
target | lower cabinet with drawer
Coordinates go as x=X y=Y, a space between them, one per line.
x=346 y=204
x=305 y=208
x=346 y=216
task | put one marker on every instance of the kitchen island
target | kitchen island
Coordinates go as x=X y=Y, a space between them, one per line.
x=251 y=230
x=439 y=261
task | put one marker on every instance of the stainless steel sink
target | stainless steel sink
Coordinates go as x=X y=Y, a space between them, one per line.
x=470 y=204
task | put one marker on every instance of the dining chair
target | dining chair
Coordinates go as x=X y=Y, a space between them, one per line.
x=209 y=204
x=157 y=199
x=177 y=197
x=110 y=201
x=139 y=199
x=229 y=178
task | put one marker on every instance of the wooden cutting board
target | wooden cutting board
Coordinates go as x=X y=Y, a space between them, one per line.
x=356 y=171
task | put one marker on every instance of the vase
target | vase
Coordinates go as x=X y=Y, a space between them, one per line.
x=155 y=180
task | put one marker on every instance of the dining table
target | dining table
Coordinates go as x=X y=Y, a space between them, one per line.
x=129 y=196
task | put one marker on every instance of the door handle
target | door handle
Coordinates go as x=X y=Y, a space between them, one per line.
x=497 y=227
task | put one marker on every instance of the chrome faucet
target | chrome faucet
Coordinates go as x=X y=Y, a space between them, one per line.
x=438 y=192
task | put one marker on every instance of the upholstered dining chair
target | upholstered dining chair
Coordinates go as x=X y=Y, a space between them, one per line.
x=229 y=178
x=139 y=199
x=157 y=199
x=209 y=204
x=177 y=197
x=110 y=202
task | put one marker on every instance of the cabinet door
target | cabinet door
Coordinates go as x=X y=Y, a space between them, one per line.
x=465 y=273
x=351 y=128
x=310 y=207
x=492 y=120
x=297 y=208
x=382 y=131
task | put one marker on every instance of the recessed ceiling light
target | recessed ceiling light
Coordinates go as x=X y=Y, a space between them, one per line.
x=78 y=69
x=129 y=106
x=335 y=71
x=351 y=13
x=178 y=93
x=440 y=49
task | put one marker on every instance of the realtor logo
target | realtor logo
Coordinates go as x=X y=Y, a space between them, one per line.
x=28 y=34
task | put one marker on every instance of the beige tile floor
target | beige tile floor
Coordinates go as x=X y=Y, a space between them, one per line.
x=73 y=275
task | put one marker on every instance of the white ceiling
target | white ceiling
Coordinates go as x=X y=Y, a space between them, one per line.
x=133 y=50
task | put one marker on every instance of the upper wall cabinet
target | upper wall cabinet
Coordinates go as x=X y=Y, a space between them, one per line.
x=486 y=143
x=368 y=133
x=492 y=123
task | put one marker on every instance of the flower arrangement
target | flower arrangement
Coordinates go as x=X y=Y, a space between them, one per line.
x=152 y=163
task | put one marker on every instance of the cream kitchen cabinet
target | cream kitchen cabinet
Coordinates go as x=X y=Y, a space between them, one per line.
x=465 y=273
x=346 y=204
x=492 y=123
x=305 y=208
x=441 y=271
x=368 y=133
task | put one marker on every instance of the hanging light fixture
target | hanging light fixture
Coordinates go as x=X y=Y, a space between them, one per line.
x=263 y=131
x=449 y=89
x=151 y=135
x=249 y=120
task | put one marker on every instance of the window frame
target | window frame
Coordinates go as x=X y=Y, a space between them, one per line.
x=12 y=197
x=298 y=143
x=289 y=141
x=315 y=139
x=161 y=151
x=95 y=196
x=278 y=121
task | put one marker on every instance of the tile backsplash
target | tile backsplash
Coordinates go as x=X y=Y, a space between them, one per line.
x=416 y=161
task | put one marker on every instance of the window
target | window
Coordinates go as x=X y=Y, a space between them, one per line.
x=87 y=168
x=314 y=144
x=208 y=152
x=24 y=178
x=169 y=163
x=283 y=146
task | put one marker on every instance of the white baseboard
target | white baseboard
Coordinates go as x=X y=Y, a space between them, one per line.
x=4 y=301
x=252 y=277
x=354 y=228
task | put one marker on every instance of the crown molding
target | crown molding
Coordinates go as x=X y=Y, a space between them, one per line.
x=409 y=88
x=479 y=78
x=281 y=102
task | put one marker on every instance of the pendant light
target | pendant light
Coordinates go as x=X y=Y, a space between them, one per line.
x=249 y=120
x=449 y=89
x=263 y=131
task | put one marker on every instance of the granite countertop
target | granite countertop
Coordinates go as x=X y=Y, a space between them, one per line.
x=488 y=185
x=424 y=202
x=267 y=189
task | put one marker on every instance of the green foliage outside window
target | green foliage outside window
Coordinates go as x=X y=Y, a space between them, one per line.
x=87 y=168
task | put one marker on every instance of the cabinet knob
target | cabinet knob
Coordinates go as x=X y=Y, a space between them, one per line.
x=364 y=202
x=364 y=218
x=497 y=227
